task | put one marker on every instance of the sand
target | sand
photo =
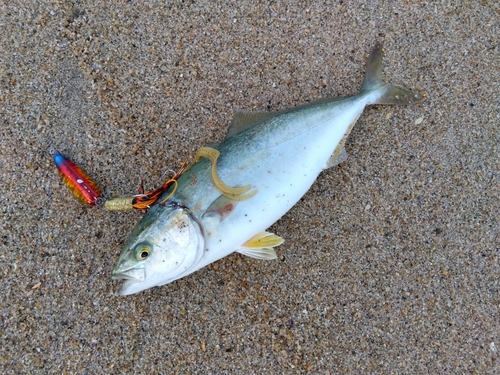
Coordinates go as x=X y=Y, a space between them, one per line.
x=391 y=260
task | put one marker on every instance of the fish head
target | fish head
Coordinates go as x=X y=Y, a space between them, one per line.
x=164 y=245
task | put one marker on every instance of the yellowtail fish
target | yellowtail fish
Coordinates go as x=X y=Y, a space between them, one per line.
x=229 y=197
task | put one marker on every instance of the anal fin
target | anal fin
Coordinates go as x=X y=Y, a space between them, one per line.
x=337 y=158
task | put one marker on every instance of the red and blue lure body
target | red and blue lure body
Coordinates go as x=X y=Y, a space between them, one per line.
x=77 y=180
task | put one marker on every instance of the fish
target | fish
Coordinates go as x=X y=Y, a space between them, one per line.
x=228 y=198
x=78 y=182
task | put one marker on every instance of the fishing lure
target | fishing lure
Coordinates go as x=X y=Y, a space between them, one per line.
x=144 y=200
x=77 y=180
x=235 y=193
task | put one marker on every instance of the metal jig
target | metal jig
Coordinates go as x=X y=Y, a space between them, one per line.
x=80 y=184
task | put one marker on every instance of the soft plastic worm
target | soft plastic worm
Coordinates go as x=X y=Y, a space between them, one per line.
x=228 y=191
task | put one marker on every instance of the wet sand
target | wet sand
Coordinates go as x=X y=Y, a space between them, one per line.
x=391 y=260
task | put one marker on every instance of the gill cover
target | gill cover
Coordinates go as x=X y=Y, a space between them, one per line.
x=164 y=245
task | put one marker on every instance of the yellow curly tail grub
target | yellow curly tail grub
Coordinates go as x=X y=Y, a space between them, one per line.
x=228 y=191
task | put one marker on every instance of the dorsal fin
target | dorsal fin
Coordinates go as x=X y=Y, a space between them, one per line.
x=245 y=120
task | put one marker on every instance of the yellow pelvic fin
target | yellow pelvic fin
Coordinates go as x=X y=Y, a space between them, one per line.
x=263 y=239
x=235 y=193
x=266 y=253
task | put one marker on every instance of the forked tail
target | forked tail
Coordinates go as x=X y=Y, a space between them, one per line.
x=390 y=94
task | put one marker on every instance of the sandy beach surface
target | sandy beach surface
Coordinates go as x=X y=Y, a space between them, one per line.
x=391 y=261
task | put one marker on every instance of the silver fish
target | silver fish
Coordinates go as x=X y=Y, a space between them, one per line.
x=272 y=159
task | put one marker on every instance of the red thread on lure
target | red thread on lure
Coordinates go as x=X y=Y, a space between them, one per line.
x=144 y=200
x=77 y=180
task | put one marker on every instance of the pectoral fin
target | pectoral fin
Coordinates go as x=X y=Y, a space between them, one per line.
x=221 y=207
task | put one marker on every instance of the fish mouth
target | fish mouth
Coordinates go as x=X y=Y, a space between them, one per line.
x=132 y=275
x=132 y=279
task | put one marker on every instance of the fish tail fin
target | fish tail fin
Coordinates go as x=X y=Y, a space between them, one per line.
x=389 y=94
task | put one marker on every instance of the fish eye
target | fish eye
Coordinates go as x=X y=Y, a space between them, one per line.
x=142 y=251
